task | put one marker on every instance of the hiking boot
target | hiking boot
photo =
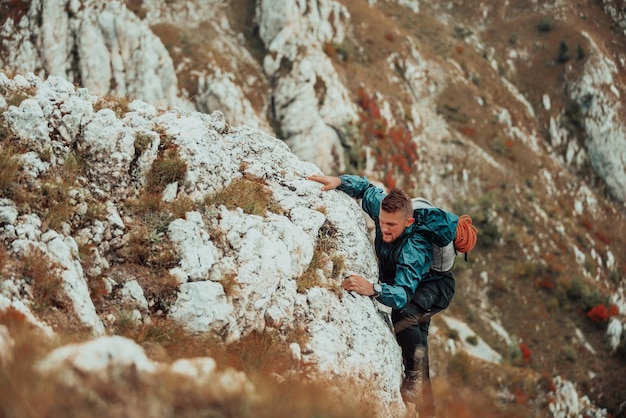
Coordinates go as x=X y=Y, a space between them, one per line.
x=411 y=389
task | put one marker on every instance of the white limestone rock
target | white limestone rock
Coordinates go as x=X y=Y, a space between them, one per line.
x=197 y=252
x=202 y=307
x=8 y=212
x=102 y=44
x=569 y=404
x=601 y=105
x=309 y=101
x=63 y=251
x=220 y=91
x=225 y=384
x=111 y=148
x=132 y=293
x=96 y=362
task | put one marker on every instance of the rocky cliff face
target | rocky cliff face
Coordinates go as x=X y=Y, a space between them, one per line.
x=509 y=112
x=235 y=273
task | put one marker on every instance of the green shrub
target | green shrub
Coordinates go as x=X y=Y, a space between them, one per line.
x=453 y=334
x=460 y=366
x=575 y=289
x=472 y=340
x=563 y=54
x=142 y=142
x=569 y=353
x=591 y=298
x=545 y=24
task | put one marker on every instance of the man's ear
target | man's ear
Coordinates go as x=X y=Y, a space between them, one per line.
x=409 y=222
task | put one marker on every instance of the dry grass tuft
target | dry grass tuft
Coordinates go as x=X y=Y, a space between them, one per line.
x=248 y=193
x=299 y=397
x=230 y=284
x=13 y=319
x=119 y=105
x=167 y=168
x=166 y=340
x=262 y=353
x=312 y=277
x=24 y=393
x=181 y=205
x=15 y=98
x=150 y=248
x=4 y=256
x=160 y=288
x=136 y=6
x=10 y=166
x=142 y=142
x=325 y=257
x=18 y=374
x=50 y=199
x=148 y=244
x=44 y=276
x=52 y=203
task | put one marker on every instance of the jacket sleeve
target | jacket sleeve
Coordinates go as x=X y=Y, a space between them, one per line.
x=360 y=188
x=412 y=265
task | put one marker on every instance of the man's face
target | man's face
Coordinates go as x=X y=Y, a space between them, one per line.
x=393 y=224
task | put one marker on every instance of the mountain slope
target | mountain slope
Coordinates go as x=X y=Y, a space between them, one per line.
x=509 y=112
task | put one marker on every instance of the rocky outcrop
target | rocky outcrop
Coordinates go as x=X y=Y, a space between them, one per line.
x=262 y=257
x=98 y=45
x=598 y=94
x=115 y=367
x=309 y=102
x=615 y=9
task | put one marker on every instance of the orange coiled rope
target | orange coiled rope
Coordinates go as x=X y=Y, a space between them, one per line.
x=466 y=235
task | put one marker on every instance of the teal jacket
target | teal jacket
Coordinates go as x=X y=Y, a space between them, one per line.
x=404 y=263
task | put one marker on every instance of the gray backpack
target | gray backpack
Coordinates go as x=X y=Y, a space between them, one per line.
x=444 y=253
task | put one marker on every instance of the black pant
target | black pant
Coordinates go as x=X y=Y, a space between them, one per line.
x=413 y=321
x=411 y=324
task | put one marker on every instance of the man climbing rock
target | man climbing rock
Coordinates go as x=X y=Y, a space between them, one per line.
x=413 y=282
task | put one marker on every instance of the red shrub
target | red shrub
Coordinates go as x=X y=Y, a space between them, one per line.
x=330 y=50
x=545 y=284
x=603 y=237
x=600 y=313
x=468 y=131
x=390 y=183
x=393 y=148
x=526 y=353
x=521 y=397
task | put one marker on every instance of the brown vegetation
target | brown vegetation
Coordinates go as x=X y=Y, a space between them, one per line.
x=249 y=193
